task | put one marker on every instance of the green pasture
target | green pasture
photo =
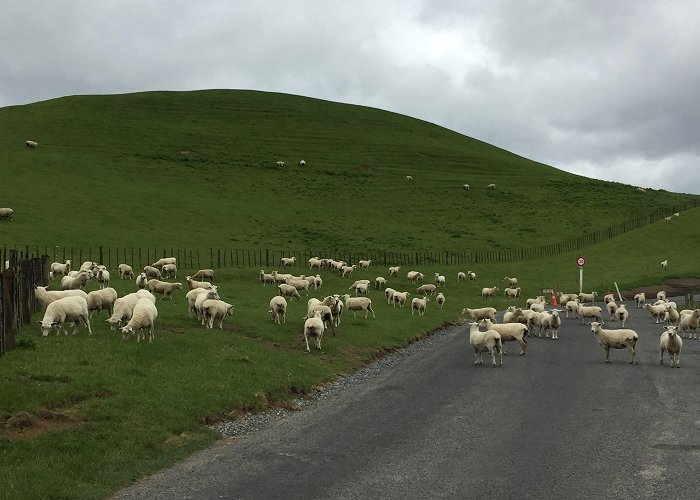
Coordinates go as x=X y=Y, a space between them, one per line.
x=100 y=412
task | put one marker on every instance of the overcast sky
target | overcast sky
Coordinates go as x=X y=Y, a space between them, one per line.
x=609 y=89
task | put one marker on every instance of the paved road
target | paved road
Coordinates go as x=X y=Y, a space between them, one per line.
x=556 y=423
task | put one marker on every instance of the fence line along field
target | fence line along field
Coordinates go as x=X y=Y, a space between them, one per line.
x=195 y=176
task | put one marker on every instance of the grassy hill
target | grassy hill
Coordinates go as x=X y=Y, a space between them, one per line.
x=196 y=169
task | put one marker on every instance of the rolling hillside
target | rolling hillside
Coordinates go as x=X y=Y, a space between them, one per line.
x=197 y=169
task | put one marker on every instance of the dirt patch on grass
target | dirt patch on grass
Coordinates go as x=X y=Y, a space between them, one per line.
x=366 y=168
x=24 y=426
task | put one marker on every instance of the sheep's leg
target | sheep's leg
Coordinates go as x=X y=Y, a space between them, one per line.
x=306 y=339
x=661 y=357
x=523 y=346
x=87 y=323
x=634 y=355
x=607 y=354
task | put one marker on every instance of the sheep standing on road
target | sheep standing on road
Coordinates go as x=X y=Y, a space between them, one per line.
x=672 y=343
x=621 y=314
x=488 y=341
x=509 y=332
x=616 y=339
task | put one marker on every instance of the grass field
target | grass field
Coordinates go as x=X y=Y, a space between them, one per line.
x=81 y=416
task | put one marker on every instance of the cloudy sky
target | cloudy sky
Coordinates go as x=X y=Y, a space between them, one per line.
x=608 y=89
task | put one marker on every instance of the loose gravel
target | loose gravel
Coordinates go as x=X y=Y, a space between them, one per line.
x=251 y=422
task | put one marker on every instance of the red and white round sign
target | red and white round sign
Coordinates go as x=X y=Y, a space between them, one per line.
x=580 y=261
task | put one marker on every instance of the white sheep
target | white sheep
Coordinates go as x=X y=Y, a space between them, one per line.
x=664 y=264
x=572 y=307
x=389 y=294
x=152 y=272
x=102 y=278
x=379 y=282
x=394 y=271
x=314 y=263
x=164 y=260
x=102 y=299
x=511 y=293
x=299 y=284
x=621 y=314
x=72 y=309
x=487 y=292
x=358 y=282
x=318 y=282
x=586 y=298
x=60 y=269
x=362 y=289
x=689 y=322
x=461 y=276
x=480 y=313
x=399 y=297
x=465 y=187
x=589 y=312
x=75 y=282
x=201 y=298
x=612 y=308
x=512 y=314
x=288 y=291
x=671 y=316
x=347 y=270
x=661 y=295
x=550 y=321
x=608 y=297
x=192 y=295
x=358 y=304
x=163 y=287
x=440 y=300
x=426 y=289
x=657 y=311
x=143 y=318
x=512 y=282
x=213 y=309
x=537 y=300
x=414 y=276
x=302 y=163
x=409 y=178
x=640 y=298
x=192 y=283
x=278 y=310
x=313 y=327
x=124 y=307
x=170 y=271
x=672 y=343
x=488 y=341
x=141 y=280
x=537 y=306
x=279 y=164
x=266 y=278
x=509 y=332
x=616 y=339
x=419 y=305
x=491 y=186
x=31 y=144
x=125 y=271
x=439 y=279
x=471 y=275
x=364 y=264
x=45 y=296
x=288 y=261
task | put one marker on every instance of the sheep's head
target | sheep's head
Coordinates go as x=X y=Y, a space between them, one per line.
x=46 y=327
x=595 y=326
x=671 y=330
x=113 y=323
x=126 y=331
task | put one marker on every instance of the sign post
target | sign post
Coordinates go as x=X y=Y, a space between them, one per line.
x=580 y=261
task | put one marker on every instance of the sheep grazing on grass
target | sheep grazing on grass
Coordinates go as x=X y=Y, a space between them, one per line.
x=491 y=186
x=164 y=260
x=394 y=271
x=71 y=309
x=102 y=299
x=439 y=279
x=489 y=292
x=419 y=305
x=672 y=343
x=465 y=187
x=512 y=282
x=409 y=177
x=59 y=269
x=358 y=304
x=512 y=293
x=213 y=309
x=141 y=280
x=143 y=318
x=414 y=276
x=192 y=283
x=664 y=264
x=152 y=272
x=266 y=278
x=46 y=297
x=389 y=294
x=314 y=263
x=299 y=284
x=621 y=314
x=288 y=261
x=616 y=339
x=427 y=289
x=75 y=282
x=302 y=163
x=279 y=164
x=509 y=332
x=640 y=298
x=347 y=270
x=192 y=295
x=488 y=341
x=125 y=271
x=124 y=307
x=364 y=264
x=461 y=276
x=278 y=310
x=199 y=300
x=440 y=300
x=471 y=275
x=379 y=282
x=169 y=270
x=288 y=291
x=31 y=144
x=589 y=312
x=399 y=298
x=163 y=287
x=313 y=327
x=480 y=313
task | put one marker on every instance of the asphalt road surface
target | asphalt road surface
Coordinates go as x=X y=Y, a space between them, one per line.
x=555 y=423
